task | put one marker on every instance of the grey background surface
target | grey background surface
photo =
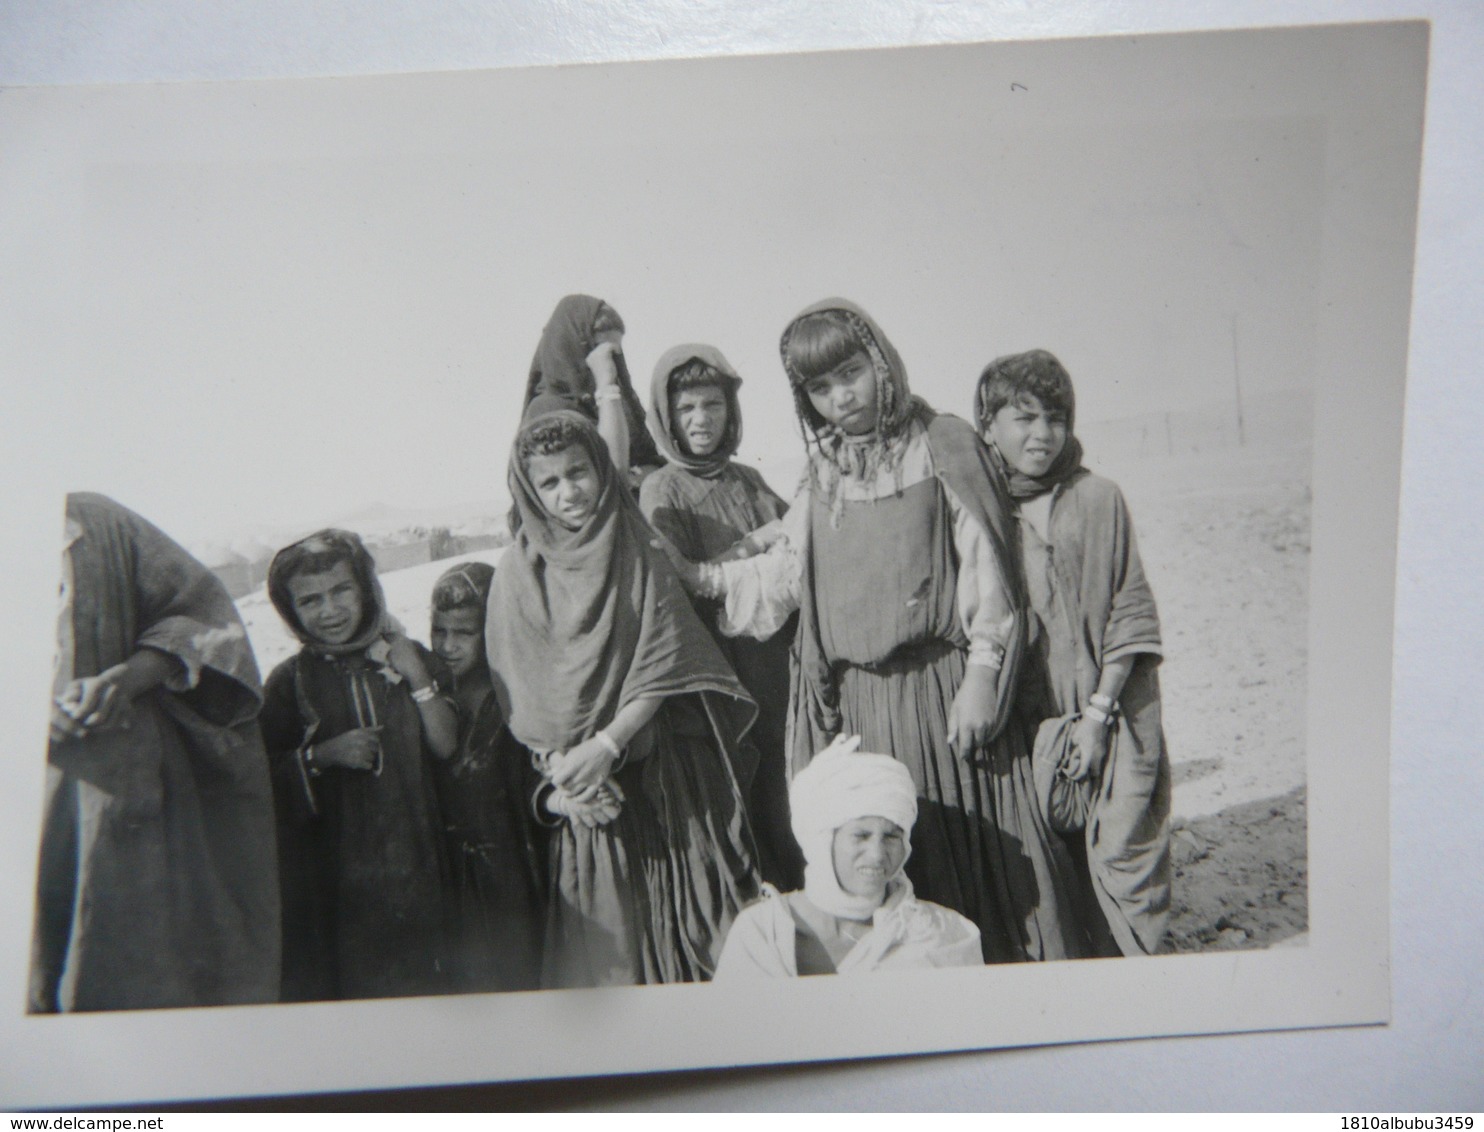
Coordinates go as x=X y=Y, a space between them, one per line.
x=1430 y=1057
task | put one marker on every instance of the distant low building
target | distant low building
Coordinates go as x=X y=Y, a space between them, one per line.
x=399 y=556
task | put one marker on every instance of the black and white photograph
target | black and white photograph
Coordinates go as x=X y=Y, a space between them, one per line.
x=432 y=660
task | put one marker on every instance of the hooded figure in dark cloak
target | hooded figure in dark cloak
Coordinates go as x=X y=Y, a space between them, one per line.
x=157 y=885
x=560 y=369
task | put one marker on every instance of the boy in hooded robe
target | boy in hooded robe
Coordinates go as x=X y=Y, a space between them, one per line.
x=157 y=885
x=1091 y=674
x=353 y=723
x=704 y=502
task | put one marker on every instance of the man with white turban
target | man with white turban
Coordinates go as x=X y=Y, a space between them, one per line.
x=851 y=813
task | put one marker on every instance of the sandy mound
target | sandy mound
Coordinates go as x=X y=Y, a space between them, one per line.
x=1241 y=876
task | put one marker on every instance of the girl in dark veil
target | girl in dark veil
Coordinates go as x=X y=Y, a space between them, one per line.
x=580 y=360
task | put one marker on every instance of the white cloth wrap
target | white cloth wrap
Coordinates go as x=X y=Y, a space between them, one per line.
x=838 y=786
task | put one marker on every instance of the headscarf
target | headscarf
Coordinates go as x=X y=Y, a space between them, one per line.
x=582 y=623
x=477 y=576
x=840 y=785
x=560 y=368
x=661 y=426
x=376 y=622
x=1067 y=464
x=839 y=453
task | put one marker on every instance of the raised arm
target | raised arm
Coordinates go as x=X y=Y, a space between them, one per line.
x=613 y=424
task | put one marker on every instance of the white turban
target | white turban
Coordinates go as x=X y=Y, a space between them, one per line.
x=840 y=785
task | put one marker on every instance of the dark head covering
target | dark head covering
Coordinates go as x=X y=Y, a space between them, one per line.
x=560 y=368
x=662 y=427
x=474 y=576
x=1068 y=462
x=582 y=623
x=376 y=622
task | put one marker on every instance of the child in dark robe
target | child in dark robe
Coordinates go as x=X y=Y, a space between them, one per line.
x=1090 y=681
x=705 y=503
x=496 y=851
x=353 y=723
x=898 y=555
x=603 y=670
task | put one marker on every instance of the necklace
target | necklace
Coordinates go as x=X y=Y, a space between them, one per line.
x=853 y=930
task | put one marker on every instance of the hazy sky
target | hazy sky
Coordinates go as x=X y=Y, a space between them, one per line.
x=273 y=303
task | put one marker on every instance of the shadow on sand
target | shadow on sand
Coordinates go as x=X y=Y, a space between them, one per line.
x=1241 y=876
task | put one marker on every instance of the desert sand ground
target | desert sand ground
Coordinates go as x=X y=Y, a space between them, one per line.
x=1224 y=537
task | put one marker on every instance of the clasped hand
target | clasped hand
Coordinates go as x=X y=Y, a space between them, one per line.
x=405 y=658
x=88 y=704
x=583 y=791
x=591 y=807
x=354 y=750
x=1087 y=750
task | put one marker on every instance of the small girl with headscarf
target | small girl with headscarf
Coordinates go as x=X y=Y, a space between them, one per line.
x=898 y=555
x=853 y=814
x=603 y=671
x=580 y=360
x=1090 y=678
x=705 y=502
x=353 y=723
x=496 y=854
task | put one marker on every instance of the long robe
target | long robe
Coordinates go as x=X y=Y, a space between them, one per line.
x=981 y=845
x=1093 y=605
x=497 y=855
x=361 y=858
x=157 y=885
x=704 y=506
x=361 y=861
x=581 y=624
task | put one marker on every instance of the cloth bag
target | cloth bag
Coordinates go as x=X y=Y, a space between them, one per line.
x=1064 y=803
